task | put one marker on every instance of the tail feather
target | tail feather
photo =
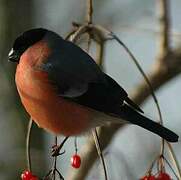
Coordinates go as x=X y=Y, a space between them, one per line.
x=134 y=105
x=134 y=117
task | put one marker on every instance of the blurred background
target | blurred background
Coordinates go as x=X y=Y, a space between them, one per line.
x=136 y=23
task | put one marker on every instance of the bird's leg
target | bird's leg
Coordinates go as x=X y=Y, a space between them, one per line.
x=56 y=148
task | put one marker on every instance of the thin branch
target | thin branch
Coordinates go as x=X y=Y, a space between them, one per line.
x=100 y=54
x=143 y=74
x=28 y=141
x=69 y=34
x=55 y=161
x=89 y=41
x=99 y=151
x=56 y=152
x=89 y=11
x=151 y=91
x=161 y=164
x=56 y=148
x=152 y=165
x=164 y=17
x=174 y=159
x=171 y=168
x=74 y=36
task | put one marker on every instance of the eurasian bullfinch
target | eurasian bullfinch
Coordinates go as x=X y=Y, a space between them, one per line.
x=64 y=90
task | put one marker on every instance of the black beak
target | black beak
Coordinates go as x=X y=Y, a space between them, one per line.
x=13 y=56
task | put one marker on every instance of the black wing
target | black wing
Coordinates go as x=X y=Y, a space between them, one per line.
x=79 y=79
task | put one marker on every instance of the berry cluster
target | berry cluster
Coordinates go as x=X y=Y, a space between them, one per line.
x=27 y=175
x=160 y=176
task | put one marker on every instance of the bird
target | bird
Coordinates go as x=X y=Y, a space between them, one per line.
x=66 y=93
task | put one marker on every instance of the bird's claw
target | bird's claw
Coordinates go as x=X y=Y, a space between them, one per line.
x=56 y=150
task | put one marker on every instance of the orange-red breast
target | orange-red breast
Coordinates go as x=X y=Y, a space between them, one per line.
x=64 y=90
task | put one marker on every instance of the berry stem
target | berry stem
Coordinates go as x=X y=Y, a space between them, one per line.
x=174 y=159
x=75 y=144
x=55 y=162
x=171 y=167
x=28 y=141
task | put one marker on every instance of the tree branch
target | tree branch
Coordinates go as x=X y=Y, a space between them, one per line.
x=164 y=17
x=89 y=11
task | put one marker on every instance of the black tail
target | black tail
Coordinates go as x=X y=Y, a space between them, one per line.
x=134 y=105
x=127 y=113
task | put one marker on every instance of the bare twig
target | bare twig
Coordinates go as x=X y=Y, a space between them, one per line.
x=100 y=54
x=164 y=9
x=174 y=159
x=152 y=165
x=98 y=147
x=70 y=34
x=89 y=11
x=164 y=16
x=56 y=148
x=151 y=91
x=143 y=74
x=170 y=166
x=81 y=30
x=55 y=161
x=89 y=41
x=56 y=152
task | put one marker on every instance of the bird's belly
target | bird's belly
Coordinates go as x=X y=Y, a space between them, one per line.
x=50 y=111
x=58 y=115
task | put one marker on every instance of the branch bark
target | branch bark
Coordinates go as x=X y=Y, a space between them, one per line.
x=89 y=11
x=164 y=17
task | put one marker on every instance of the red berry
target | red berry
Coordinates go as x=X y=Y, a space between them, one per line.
x=75 y=161
x=163 y=176
x=149 y=177
x=26 y=175
x=34 y=178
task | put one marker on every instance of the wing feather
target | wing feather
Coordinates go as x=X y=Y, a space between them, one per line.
x=78 y=78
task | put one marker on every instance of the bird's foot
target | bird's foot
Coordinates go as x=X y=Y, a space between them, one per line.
x=56 y=148
x=52 y=174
